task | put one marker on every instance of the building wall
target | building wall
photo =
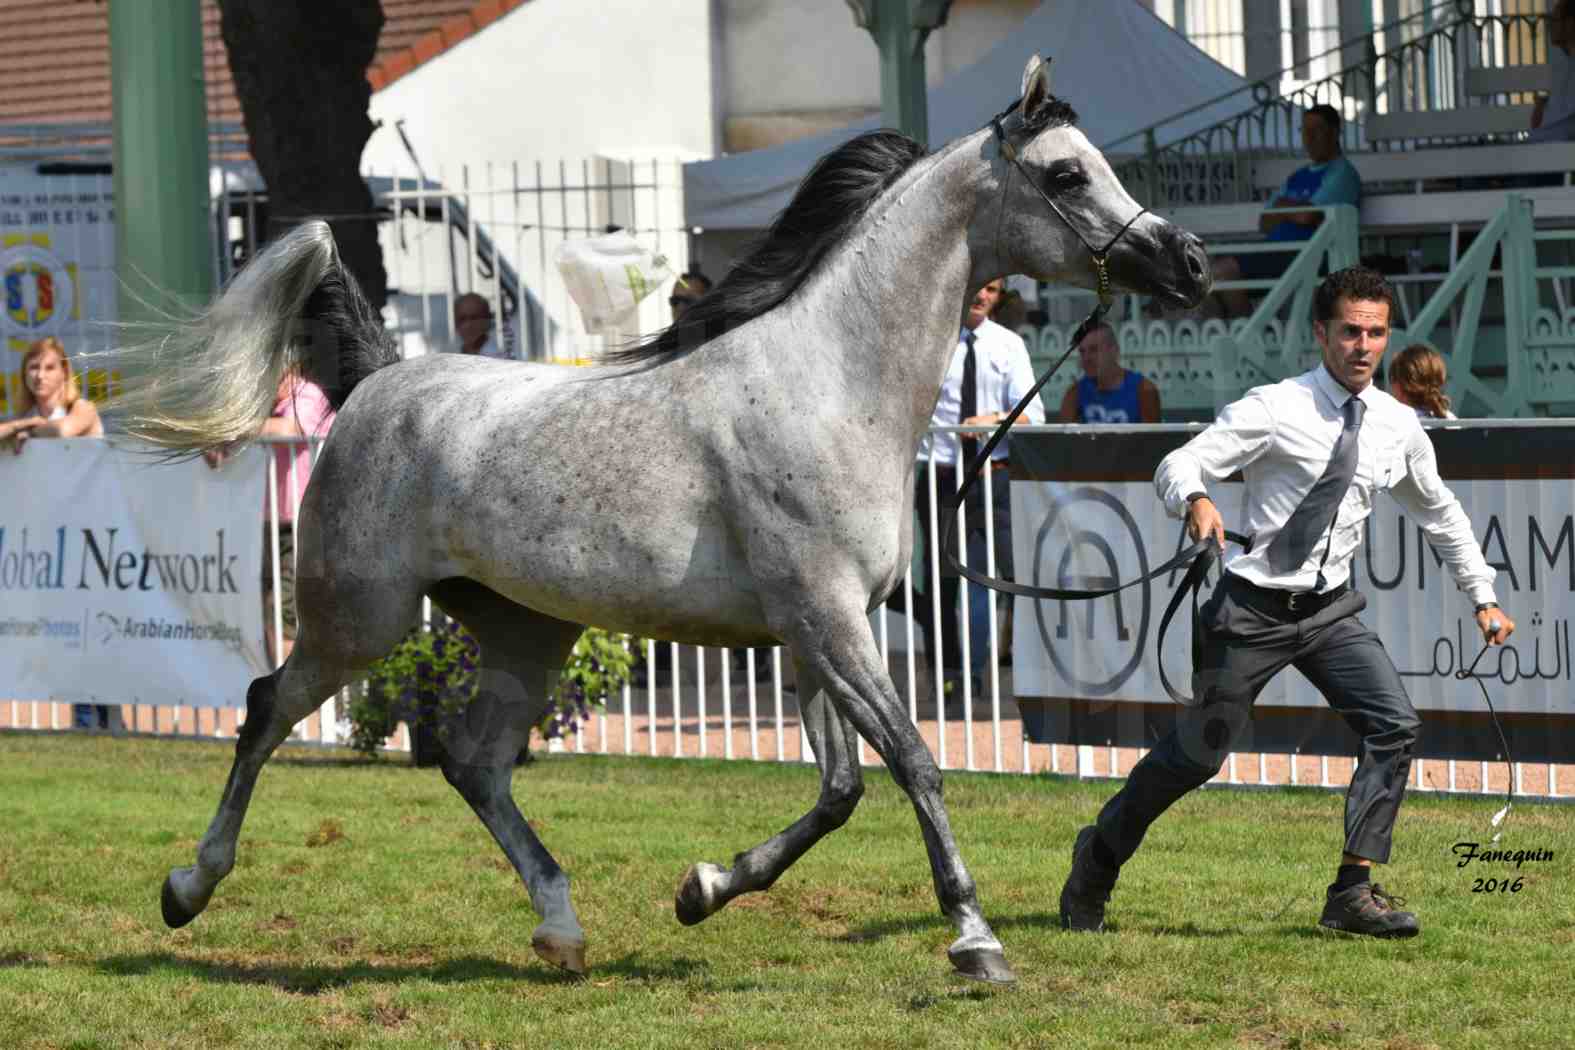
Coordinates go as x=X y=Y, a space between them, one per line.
x=559 y=79
x=794 y=68
x=553 y=94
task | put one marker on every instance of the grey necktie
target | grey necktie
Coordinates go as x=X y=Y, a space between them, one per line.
x=1290 y=547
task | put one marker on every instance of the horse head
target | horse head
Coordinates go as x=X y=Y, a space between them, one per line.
x=1053 y=209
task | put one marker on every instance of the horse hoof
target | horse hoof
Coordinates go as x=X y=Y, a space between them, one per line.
x=697 y=897
x=558 y=951
x=176 y=914
x=982 y=964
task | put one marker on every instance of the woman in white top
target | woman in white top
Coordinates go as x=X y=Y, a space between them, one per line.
x=51 y=402
x=1416 y=378
x=51 y=405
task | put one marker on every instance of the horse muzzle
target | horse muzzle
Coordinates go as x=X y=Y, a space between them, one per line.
x=1164 y=261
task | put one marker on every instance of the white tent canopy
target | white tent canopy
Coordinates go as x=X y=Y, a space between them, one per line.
x=1120 y=67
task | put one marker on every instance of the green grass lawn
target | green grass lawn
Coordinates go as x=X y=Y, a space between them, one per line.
x=410 y=930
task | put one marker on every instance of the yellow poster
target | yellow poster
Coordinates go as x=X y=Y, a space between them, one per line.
x=57 y=260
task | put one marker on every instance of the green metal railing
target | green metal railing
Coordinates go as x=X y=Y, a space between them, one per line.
x=1424 y=72
x=1504 y=317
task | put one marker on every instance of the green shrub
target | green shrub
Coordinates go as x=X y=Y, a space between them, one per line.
x=431 y=675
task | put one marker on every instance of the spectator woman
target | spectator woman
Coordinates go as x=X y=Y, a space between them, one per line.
x=51 y=403
x=1416 y=378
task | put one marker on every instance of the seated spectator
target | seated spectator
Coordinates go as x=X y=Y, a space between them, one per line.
x=1553 y=116
x=1416 y=378
x=300 y=410
x=1108 y=393
x=51 y=405
x=473 y=327
x=1329 y=179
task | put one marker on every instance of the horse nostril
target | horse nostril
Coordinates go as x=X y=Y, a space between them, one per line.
x=1197 y=261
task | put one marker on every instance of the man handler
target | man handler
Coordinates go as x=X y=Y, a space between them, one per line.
x=1314 y=451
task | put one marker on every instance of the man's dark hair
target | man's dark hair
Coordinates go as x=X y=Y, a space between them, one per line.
x=1355 y=283
x=1104 y=326
x=693 y=278
x=1330 y=115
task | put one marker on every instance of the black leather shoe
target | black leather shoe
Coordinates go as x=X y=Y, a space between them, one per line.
x=1087 y=888
x=1366 y=908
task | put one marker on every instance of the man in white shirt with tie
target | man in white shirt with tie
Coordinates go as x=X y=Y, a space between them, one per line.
x=1314 y=451
x=989 y=373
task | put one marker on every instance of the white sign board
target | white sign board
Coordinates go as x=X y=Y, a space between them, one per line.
x=127 y=581
x=1095 y=533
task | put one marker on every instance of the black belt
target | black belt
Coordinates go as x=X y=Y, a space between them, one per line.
x=1287 y=605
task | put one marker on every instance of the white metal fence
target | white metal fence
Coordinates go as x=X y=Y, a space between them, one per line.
x=493 y=230
x=690 y=701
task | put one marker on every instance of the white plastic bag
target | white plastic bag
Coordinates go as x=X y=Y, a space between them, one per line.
x=607 y=276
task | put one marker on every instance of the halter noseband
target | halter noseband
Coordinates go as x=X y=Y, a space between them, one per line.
x=1101 y=274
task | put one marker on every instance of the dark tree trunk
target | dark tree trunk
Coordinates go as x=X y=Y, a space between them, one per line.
x=300 y=72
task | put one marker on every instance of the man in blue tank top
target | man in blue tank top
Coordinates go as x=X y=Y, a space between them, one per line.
x=1108 y=393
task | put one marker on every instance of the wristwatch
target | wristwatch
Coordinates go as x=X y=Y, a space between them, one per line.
x=1194 y=496
x=1485 y=606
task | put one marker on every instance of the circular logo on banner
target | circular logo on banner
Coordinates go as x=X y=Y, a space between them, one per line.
x=1084 y=556
x=38 y=290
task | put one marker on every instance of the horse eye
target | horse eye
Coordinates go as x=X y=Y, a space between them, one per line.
x=1066 y=180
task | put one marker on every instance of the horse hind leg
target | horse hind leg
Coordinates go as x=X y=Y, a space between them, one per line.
x=522 y=656
x=706 y=888
x=330 y=652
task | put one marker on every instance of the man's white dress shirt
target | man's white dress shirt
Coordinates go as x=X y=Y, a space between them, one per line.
x=1281 y=438
x=1002 y=374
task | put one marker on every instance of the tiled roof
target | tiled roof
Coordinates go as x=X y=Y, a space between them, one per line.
x=419 y=30
x=54 y=54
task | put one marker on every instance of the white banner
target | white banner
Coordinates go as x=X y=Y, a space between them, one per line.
x=127 y=581
x=1095 y=533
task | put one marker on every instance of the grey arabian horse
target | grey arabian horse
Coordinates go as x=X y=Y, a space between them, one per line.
x=743 y=479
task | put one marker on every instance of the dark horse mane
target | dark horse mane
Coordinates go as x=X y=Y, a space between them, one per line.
x=827 y=205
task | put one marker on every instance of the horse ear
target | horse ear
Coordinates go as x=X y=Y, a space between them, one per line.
x=1036 y=86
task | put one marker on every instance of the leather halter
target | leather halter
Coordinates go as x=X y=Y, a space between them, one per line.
x=1014 y=160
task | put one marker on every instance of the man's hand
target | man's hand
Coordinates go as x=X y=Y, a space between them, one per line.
x=988 y=419
x=1203 y=519
x=1495 y=625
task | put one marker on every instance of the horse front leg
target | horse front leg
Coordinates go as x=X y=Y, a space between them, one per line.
x=835 y=643
x=706 y=888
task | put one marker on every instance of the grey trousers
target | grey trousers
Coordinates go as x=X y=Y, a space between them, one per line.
x=1249 y=636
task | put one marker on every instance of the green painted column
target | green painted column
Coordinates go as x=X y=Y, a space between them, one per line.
x=900 y=29
x=163 y=242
